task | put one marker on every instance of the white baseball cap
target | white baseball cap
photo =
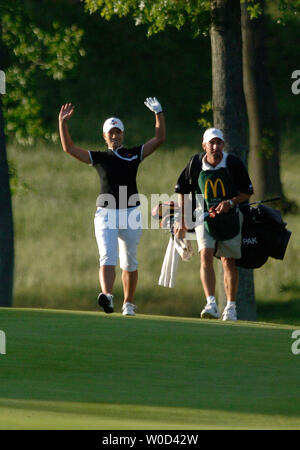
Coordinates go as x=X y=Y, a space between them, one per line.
x=212 y=133
x=112 y=122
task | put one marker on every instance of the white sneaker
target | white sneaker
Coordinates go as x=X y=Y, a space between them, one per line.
x=229 y=314
x=106 y=301
x=128 y=309
x=210 y=311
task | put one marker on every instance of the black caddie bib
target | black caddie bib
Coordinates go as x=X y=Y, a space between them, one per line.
x=216 y=186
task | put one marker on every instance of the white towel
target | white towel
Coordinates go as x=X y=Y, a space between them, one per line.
x=177 y=249
x=170 y=266
x=184 y=248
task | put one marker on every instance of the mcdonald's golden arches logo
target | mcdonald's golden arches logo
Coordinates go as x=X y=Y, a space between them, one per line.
x=214 y=187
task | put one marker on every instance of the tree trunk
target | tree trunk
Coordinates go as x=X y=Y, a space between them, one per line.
x=263 y=116
x=229 y=113
x=6 y=225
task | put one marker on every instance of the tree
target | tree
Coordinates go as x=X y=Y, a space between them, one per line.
x=36 y=48
x=263 y=114
x=6 y=219
x=6 y=224
x=229 y=112
x=26 y=49
x=222 y=19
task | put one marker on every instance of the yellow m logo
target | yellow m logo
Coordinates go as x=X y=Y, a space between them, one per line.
x=214 y=186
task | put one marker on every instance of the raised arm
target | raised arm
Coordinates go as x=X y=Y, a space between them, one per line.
x=65 y=114
x=160 y=127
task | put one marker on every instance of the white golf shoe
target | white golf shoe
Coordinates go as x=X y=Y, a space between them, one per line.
x=128 y=309
x=229 y=313
x=210 y=311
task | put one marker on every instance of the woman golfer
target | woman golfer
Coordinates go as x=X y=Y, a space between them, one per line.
x=117 y=219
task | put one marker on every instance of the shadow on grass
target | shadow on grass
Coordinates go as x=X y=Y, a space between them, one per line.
x=160 y=301
x=155 y=301
x=287 y=312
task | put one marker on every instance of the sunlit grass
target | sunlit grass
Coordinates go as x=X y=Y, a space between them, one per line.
x=75 y=370
x=56 y=251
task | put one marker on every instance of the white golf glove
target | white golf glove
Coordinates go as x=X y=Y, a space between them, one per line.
x=153 y=104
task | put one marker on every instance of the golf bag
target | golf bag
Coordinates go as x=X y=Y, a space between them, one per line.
x=167 y=213
x=264 y=235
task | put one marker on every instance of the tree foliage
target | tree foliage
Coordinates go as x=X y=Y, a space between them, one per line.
x=32 y=50
x=157 y=14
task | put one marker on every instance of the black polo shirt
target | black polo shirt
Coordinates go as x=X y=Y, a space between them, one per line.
x=117 y=170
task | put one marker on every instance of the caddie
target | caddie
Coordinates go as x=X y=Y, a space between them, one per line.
x=224 y=182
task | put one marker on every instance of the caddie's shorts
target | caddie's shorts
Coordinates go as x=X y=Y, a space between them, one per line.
x=118 y=233
x=228 y=249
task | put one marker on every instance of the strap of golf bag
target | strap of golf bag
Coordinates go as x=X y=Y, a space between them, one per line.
x=195 y=160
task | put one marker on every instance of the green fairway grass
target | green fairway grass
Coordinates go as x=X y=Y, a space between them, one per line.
x=87 y=370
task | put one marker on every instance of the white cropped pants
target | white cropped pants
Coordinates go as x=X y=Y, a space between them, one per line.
x=118 y=232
